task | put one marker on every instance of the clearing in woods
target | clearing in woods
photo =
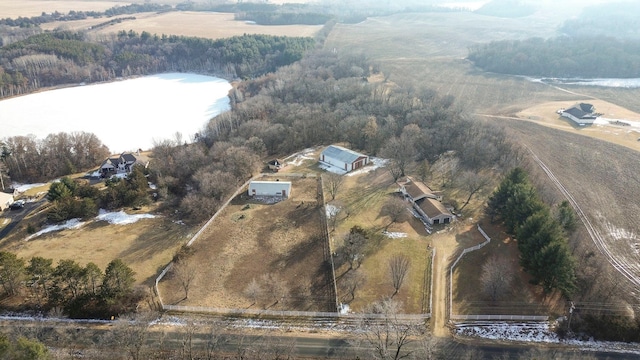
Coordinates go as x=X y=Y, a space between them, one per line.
x=251 y=239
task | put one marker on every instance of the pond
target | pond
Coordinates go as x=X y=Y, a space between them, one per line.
x=126 y=115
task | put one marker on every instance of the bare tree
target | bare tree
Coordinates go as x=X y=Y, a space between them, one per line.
x=253 y=291
x=333 y=183
x=446 y=168
x=353 y=249
x=398 y=268
x=332 y=211
x=496 y=277
x=387 y=336
x=396 y=209
x=276 y=288
x=185 y=272
x=400 y=152
x=350 y=282
x=472 y=183
x=130 y=333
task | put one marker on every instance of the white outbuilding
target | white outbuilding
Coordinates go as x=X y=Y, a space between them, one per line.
x=270 y=188
x=5 y=200
x=343 y=158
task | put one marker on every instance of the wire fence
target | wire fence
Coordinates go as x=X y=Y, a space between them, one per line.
x=453 y=316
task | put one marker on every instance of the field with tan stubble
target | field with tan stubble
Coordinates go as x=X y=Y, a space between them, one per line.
x=27 y=8
x=187 y=23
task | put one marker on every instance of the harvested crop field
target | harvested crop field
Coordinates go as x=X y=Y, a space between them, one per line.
x=280 y=245
x=187 y=23
x=602 y=177
x=28 y=8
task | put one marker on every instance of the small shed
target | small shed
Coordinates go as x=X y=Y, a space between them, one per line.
x=276 y=164
x=343 y=158
x=270 y=188
x=5 y=200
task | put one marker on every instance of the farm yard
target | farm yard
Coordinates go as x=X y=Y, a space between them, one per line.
x=280 y=245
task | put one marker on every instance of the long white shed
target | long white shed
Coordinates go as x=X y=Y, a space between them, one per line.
x=270 y=188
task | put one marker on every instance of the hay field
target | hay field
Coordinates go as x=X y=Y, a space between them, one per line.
x=249 y=239
x=188 y=23
x=27 y=8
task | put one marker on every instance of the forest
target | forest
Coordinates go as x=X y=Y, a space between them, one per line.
x=63 y=57
x=614 y=19
x=564 y=57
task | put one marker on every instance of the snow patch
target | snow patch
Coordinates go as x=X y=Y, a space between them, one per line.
x=331 y=210
x=152 y=186
x=121 y=218
x=374 y=162
x=344 y=309
x=69 y=224
x=299 y=157
x=24 y=187
x=394 y=235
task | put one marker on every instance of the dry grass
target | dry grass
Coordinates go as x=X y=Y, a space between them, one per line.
x=28 y=8
x=245 y=242
x=187 y=23
x=523 y=298
x=146 y=246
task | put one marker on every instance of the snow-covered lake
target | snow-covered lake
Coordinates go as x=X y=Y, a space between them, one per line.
x=126 y=115
x=612 y=82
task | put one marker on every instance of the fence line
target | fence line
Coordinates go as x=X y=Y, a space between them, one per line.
x=483 y=317
x=501 y=317
x=433 y=259
x=327 y=239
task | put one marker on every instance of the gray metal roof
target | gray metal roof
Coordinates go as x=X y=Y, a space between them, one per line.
x=342 y=154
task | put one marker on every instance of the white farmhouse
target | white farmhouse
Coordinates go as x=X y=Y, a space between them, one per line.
x=270 y=188
x=343 y=158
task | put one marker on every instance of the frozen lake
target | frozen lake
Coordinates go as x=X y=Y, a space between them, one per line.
x=126 y=115
x=620 y=83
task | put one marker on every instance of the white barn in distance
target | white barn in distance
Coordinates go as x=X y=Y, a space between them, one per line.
x=270 y=188
x=343 y=158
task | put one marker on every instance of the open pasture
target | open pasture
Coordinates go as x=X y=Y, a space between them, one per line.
x=251 y=239
x=27 y=8
x=186 y=23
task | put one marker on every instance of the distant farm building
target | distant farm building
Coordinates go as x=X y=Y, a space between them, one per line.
x=581 y=114
x=343 y=158
x=425 y=201
x=5 y=200
x=270 y=188
x=275 y=164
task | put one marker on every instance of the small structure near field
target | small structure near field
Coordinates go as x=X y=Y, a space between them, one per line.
x=275 y=164
x=425 y=201
x=343 y=158
x=582 y=113
x=270 y=188
x=5 y=200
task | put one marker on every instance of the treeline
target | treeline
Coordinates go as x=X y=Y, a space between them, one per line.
x=324 y=98
x=566 y=57
x=81 y=291
x=615 y=19
x=280 y=18
x=73 y=199
x=81 y=15
x=506 y=8
x=542 y=237
x=29 y=159
x=65 y=57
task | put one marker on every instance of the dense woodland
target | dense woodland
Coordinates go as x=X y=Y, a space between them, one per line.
x=56 y=58
x=613 y=19
x=564 y=57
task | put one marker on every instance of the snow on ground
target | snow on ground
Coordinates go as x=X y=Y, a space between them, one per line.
x=394 y=235
x=538 y=332
x=344 y=309
x=331 y=210
x=374 y=164
x=298 y=158
x=633 y=125
x=69 y=224
x=66 y=110
x=121 y=218
x=24 y=187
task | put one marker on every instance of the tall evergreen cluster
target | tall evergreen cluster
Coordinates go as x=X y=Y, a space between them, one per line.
x=541 y=236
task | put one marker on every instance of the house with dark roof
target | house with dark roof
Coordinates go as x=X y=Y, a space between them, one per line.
x=122 y=164
x=426 y=202
x=343 y=158
x=581 y=113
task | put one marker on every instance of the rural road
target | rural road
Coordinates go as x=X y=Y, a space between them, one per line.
x=16 y=216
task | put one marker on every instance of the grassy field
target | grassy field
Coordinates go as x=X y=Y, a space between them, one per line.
x=28 y=8
x=250 y=239
x=189 y=23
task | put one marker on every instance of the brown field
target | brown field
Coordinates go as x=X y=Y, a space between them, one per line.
x=199 y=24
x=146 y=246
x=249 y=239
x=28 y=8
